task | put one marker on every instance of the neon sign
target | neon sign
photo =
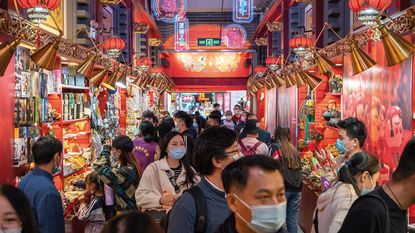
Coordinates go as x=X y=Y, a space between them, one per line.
x=181 y=34
x=234 y=36
x=168 y=10
x=243 y=11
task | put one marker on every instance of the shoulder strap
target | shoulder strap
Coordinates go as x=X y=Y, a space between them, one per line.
x=387 y=220
x=201 y=209
x=256 y=146
x=315 y=221
x=242 y=145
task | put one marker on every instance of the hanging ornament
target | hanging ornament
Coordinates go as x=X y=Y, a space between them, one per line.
x=273 y=62
x=38 y=10
x=114 y=46
x=260 y=71
x=181 y=34
x=300 y=44
x=368 y=10
x=243 y=11
x=168 y=10
x=234 y=36
x=143 y=63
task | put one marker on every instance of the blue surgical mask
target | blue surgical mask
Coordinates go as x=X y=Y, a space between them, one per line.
x=266 y=218
x=177 y=152
x=340 y=146
x=368 y=190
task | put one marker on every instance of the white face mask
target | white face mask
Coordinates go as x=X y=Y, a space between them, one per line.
x=266 y=218
x=15 y=230
x=228 y=118
x=368 y=190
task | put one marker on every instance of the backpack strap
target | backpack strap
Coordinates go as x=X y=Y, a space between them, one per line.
x=242 y=145
x=201 y=209
x=256 y=146
x=315 y=221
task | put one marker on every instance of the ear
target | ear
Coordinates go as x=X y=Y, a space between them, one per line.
x=216 y=163
x=231 y=200
x=364 y=177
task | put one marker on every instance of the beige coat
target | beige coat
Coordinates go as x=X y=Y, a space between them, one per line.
x=154 y=182
x=333 y=206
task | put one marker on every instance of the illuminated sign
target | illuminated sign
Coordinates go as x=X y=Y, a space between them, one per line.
x=234 y=36
x=243 y=11
x=188 y=98
x=168 y=10
x=181 y=34
x=208 y=41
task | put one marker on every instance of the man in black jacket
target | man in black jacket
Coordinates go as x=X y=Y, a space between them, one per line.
x=255 y=194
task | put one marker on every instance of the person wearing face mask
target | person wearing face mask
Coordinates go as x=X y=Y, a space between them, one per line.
x=352 y=137
x=237 y=114
x=184 y=122
x=165 y=180
x=356 y=178
x=118 y=168
x=38 y=186
x=15 y=211
x=255 y=194
x=228 y=122
x=241 y=125
x=215 y=148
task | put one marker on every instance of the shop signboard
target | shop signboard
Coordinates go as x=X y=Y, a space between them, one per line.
x=227 y=101
x=169 y=10
x=208 y=42
x=181 y=34
x=234 y=36
x=188 y=98
x=243 y=11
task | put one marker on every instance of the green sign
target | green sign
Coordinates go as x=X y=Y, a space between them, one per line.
x=208 y=41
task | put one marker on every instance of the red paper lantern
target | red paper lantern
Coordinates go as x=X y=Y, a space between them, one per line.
x=300 y=44
x=357 y=5
x=273 y=61
x=368 y=10
x=260 y=70
x=143 y=61
x=38 y=10
x=114 y=45
x=155 y=70
x=50 y=4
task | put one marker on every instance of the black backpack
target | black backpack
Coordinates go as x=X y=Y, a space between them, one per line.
x=201 y=211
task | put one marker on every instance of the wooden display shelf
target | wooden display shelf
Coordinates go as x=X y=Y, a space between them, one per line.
x=69 y=87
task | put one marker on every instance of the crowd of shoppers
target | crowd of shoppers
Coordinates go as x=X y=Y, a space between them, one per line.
x=186 y=174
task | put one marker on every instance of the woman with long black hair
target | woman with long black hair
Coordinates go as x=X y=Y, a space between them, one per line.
x=357 y=177
x=146 y=149
x=284 y=151
x=118 y=169
x=15 y=211
x=165 y=180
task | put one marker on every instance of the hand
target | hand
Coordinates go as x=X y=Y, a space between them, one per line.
x=168 y=199
x=320 y=155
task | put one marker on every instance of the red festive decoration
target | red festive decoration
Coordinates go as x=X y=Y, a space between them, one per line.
x=357 y=5
x=114 y=45
x=50 y=4
x=300 y=44
x=155 y=70
x=368 y=10
x=143 y=61
x=260 y=70
x=272 y=61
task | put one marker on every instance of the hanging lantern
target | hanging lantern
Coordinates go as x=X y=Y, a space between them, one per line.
x=368 y=10
x=114 y=46
x=260 y=70
x=143 y=63
x=300 y=44
x=38 y=10
x=273 y=62
x=155 y=70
